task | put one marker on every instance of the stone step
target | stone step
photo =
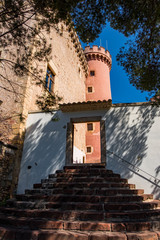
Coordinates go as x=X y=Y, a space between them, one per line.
x=19 y=234
x=88 y=185
x=79 y=178
x=35 y=223
x=91 y=171
x=104 y=170
x=103 y=173
x=84 y=202
x=107 y=207
x=88 y=179
x=84 y=215
x=83 y=179
x=84 y=198
x=83 y=206
x=86 y=166
x=91 y=179
x=132 y=206
x=86 y=191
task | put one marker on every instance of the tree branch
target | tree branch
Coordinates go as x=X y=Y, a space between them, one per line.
x=35 y=76
x=11 y=30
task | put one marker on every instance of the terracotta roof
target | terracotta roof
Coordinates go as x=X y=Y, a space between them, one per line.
x=85 y=106
x=93 y=105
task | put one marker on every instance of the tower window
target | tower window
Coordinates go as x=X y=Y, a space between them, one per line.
x=89 y=149
x=90 y=89
x=89 y=126
x=49 y=80
x=92 y=73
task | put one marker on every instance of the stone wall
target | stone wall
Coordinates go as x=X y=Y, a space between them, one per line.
x=68 y=65
x=12 y=120
x=7 y=155
x=18 y=96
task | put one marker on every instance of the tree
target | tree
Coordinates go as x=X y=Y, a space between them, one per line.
x=140 y=57
x=23 y=21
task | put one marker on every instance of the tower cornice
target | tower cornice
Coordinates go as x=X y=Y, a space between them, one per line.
x=98 y=53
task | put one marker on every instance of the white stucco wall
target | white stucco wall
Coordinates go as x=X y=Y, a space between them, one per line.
x=132 y=133
x=78 y=155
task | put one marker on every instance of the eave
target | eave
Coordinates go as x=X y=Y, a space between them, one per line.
x=85 y=106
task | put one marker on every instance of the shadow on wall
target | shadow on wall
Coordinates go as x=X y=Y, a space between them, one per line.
x=43 y=153
x=127 y=137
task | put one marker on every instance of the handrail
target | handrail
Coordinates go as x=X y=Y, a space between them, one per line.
x=156 y=180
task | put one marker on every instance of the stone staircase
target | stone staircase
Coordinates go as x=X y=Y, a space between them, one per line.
x=84 y=202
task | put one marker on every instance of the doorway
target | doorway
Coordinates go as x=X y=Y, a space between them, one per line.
x=86 y=142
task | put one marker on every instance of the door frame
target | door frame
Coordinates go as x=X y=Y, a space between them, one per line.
x=70 y=136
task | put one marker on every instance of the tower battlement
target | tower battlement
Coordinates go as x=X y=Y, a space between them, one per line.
x=98 y=80
x=99 y=53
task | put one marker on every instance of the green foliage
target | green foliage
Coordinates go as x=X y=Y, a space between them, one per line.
x=89 y=18
x=141 y=65
x=56 y=119
x=48 y=101
x=21 y=117
x=140 y=57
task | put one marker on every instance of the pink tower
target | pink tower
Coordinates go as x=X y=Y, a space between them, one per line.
x=98 y=80
x=97 y=88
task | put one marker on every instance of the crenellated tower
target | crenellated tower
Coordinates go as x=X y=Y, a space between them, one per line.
x=97 y=88
x=98 y=80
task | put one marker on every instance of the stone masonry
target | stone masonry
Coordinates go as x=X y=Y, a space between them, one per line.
x=19 y=96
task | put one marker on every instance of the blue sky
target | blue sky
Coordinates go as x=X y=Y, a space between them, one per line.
x=122 y=90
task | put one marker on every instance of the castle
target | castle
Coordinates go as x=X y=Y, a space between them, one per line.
x=85 y=128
